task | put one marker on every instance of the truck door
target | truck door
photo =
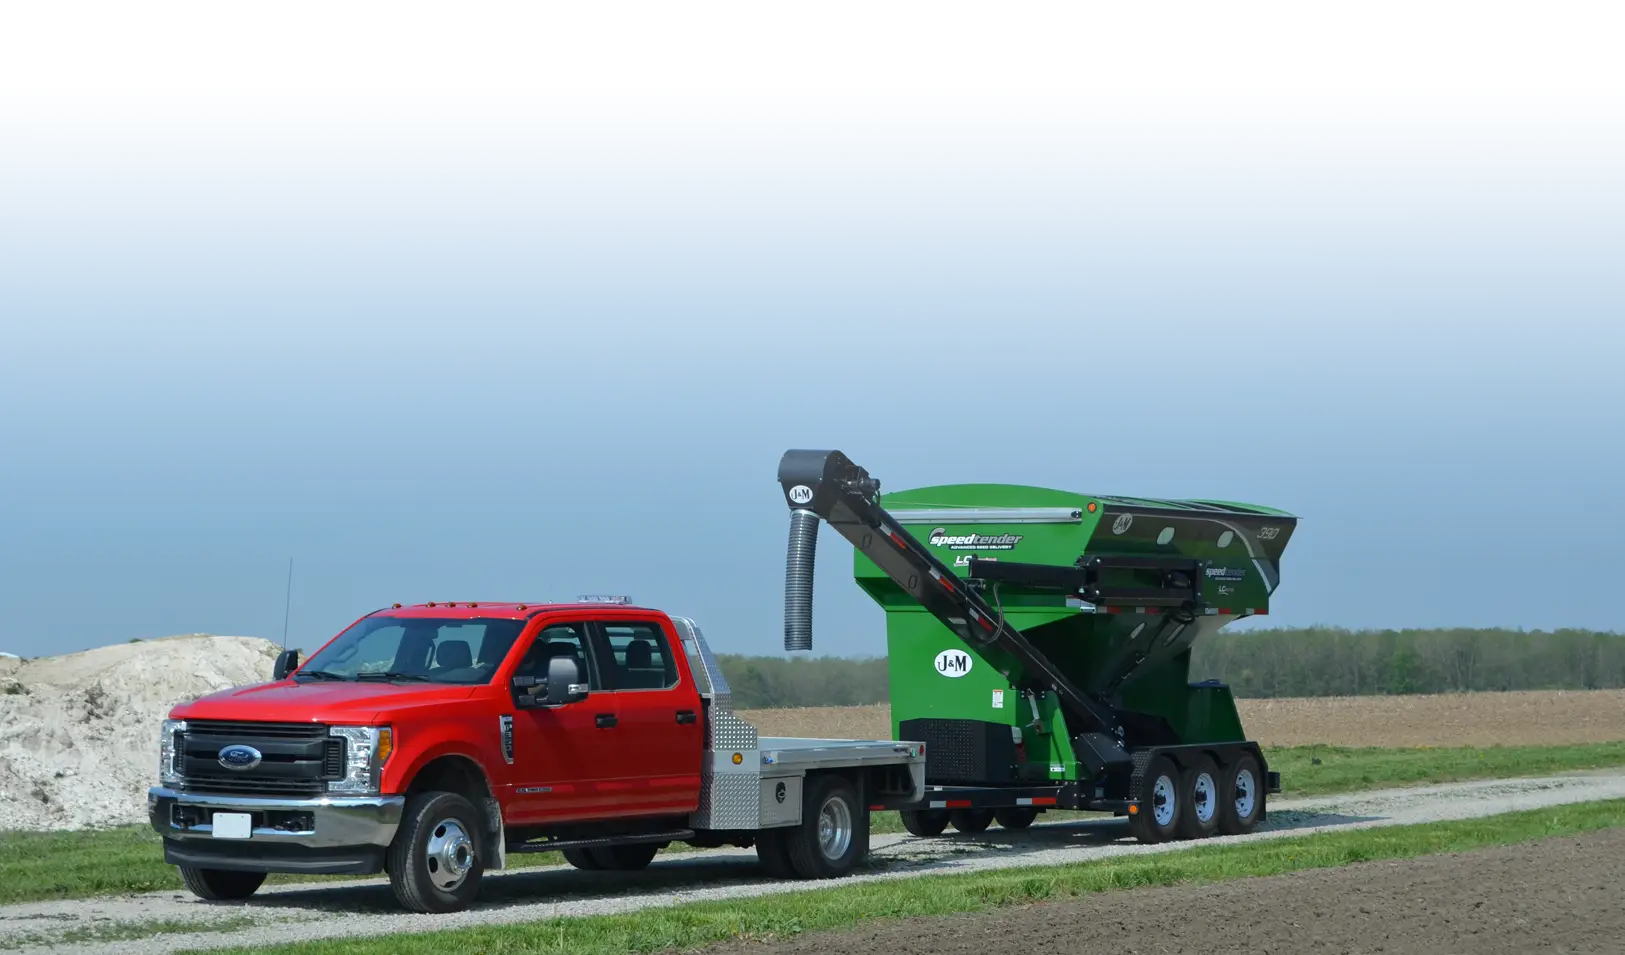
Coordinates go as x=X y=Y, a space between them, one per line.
x=562 y=768
x=662 y=740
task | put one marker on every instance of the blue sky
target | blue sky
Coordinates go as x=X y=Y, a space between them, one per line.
x=529 y=305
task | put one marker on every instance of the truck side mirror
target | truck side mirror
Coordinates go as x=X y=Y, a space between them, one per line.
x=286 y=662
x=561 y=685
x=564 y=682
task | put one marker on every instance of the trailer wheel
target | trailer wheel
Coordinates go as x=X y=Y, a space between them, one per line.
x=625 y=858
x=221 y=885
x=924 y=822
x=773 y=851
x=834 y=832
x=972 y=821
x=1200 y=797
x=1157 y=818
x=1015 y=817
x=1241 y=796
x=434 y=862
x=582 y=859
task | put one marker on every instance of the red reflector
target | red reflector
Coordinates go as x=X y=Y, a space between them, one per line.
x=1261 y=613
x=1044 y=800
x=1152 y=610
x=958 y=804
x=876 y=808
x=985 y=625
x=898 y=541
x=1224 y=610
x=1114 y=609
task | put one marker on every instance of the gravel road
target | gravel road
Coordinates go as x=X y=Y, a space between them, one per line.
x=328 y=910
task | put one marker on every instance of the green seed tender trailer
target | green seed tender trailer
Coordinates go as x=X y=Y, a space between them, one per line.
x=1040 y=641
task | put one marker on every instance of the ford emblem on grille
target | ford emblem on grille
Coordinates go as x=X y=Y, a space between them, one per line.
x=239 y=757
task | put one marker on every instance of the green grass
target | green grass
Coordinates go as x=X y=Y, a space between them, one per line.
x=130 y=859
x=695 y=925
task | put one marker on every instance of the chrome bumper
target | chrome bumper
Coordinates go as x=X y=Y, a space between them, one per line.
x=334 y=821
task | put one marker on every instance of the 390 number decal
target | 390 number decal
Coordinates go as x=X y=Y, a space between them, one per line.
x=1268 y=533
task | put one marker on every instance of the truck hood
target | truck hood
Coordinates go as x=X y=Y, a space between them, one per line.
x=317 y=702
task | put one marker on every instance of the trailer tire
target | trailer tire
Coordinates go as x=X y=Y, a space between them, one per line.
x=925 y=822
x=1158 y=795
x=221 y=885
x=436 y=861
x=972 y=821
x=1200 y=797
x=1015 y=817
x=833 y=836
x=582 y=859
x=1241 y=795
x=628 y=858
x=773 y=851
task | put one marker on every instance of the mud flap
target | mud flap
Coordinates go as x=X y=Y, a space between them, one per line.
x=496 y=834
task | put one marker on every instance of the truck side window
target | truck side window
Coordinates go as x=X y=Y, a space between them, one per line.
x=560 y=639
x=641 y=656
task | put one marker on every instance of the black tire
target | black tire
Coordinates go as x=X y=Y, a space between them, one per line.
x=220 y=885
x=625 y=858
x=582 y=859
x=1015 y=817
x=818 y=855
x=773 y=851
x=925 y=822
x=433 y=883
x=1158 y=795
x=1238 y=775
x=1199 y=799
x=971 y=821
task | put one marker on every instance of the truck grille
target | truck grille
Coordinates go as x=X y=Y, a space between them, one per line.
x=296 y=759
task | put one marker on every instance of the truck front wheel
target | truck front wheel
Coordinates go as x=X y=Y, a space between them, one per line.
x=833 y=836
x=219 y=885
x=435 y=861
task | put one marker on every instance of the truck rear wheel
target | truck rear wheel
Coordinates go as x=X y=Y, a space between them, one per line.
x=1199 y=792
x=773 y=852
x=924 y=822
x=220 y=885
x=833 y=836
x=1158 y=798
x=1015 y=817
x=1241 y=795
x=435 y=861
x=625 y=858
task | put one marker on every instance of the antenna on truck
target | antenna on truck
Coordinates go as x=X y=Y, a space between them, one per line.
x=287 y=604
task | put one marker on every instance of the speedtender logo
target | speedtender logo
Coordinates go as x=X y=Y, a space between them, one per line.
x=1226 y=573
x=941 y=538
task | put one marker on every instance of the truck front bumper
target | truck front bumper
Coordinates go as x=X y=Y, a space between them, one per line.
x=323 y=835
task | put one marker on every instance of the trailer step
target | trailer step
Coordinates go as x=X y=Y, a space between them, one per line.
x=556 y=845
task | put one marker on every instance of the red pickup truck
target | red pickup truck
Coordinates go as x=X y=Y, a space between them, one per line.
x=432 y=741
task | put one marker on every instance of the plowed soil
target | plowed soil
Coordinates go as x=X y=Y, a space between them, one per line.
x=1457 y=719
x=1560 y=895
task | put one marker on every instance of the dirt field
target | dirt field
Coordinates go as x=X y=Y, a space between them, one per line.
x=1481 y=903
x=1465 y=719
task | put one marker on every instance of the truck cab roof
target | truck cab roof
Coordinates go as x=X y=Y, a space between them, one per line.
x=521 y=610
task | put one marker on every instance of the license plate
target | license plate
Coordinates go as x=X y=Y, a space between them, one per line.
x=233 y=825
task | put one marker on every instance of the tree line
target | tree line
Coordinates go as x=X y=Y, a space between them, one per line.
x=1316 y=661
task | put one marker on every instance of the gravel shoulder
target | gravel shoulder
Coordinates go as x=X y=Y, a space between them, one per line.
x=1483 y=903
x=330 y=910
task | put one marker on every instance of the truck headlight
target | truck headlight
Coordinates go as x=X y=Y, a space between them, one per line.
x=366 y=749
x=171 y=754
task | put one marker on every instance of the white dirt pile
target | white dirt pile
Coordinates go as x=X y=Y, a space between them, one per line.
x=79 y=732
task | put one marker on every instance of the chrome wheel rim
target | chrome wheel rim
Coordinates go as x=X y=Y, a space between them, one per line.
x=1246 y=794
x=834 y=829
x=449 y=855
x=1204 y=797
x=1162 y=801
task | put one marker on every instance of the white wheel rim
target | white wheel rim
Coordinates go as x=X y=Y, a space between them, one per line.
x=834 y=829
x=1162 y=801
x=1204 y=798
x=448 y=855
x=1246 y=794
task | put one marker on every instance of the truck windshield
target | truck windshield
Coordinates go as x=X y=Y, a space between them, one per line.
x=419 y=649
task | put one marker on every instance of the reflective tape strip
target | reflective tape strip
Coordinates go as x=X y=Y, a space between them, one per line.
x=1037 y=801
